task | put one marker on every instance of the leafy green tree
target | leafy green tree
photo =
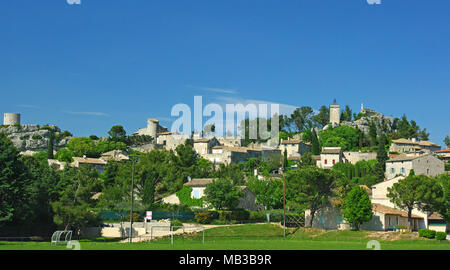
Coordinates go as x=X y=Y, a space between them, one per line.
x=346 y=114
x=310 y=187
x=306 y=160
x=14 y=184
x=222 y=194
x=117 y=133
x=82 y=146
x=106 y=146
x=447 y=141
x=443 y=205
x=268 y=192
x=357 y=208
x=233 y=172
x=73 y=208
x=302 y=118
x=65 y=155
x=322 y=118
x=407 y=193
x=343 y=136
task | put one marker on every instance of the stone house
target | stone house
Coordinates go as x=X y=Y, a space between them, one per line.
x=422 y=165
x=96 y=163
x=203 y=146
x=412 y=145
x=229 y=155
x=294 y=148
x=386 y=216
x=116 y=155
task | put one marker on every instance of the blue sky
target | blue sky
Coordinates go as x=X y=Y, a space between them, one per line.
x=90 y=66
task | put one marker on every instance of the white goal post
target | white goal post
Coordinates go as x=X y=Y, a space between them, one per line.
x=61 y=237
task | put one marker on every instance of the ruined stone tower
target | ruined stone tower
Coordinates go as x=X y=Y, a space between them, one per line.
x=10 y=119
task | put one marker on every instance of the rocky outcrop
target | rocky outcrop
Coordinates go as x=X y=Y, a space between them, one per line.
x=384 y=124
x=33 y=138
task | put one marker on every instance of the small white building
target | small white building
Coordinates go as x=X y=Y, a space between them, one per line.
x=329 y=156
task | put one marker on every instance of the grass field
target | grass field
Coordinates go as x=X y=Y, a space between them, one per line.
x=255 y=237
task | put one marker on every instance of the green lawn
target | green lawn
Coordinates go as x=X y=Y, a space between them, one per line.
x=249 y=237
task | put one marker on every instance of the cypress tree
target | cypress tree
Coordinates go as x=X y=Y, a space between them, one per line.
x=50 y=146
x=285 y=161
x=381 y=153
x=315 y=143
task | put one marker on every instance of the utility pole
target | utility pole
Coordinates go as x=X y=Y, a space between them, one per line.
x=284 y=206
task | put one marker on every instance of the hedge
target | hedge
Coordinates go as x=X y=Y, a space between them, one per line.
x=204 y=217
x=441 y=236
x=430 y=234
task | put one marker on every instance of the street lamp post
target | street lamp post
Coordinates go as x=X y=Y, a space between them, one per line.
x=284 y=204
x=133 y=159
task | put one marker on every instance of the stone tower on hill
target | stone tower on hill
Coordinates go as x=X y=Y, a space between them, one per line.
x=335 y=114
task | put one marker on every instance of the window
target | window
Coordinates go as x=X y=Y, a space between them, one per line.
x=334 y=161
x=326 y=161
x=392 y=170
x=196 y=193
x=402 y=170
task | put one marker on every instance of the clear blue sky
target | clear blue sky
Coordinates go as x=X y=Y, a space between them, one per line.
x=90 y=66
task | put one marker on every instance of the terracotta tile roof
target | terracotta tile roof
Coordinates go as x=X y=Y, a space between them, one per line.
x=199 y=182
x=202 y=140
x=89 y=160
x=335 y=150
x=428 y=143
x=423 y=143
x=435 y=216
x=403 y=158
x=231 y=149
x=292 y=141
x=444 y=151
x=391 y=211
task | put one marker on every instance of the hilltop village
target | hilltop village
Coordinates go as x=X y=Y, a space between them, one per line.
x=369 y=149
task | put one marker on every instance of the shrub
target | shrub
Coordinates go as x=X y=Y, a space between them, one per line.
x=224 y=215
x=441 y=236
x=176 y=223
x=136 y=217
x=240 y=215
x=203 y=217
x=430 y=234
x=36 y=137
x=257 y=216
